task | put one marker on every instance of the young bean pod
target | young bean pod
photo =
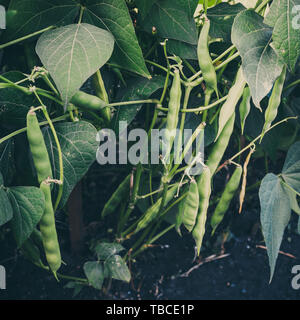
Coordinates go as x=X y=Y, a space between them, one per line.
x=204 y=187
x=191 y=205
x=48 y=231
x=38 y=148
x=153 y=211
x=173 y=112
x=233 y=98
x=227 y=195
x=274 y=101
x=220 y=146
x=87 y=101
x=179 y=217
x=205 y=61
x=245 y=106
x=117 y=197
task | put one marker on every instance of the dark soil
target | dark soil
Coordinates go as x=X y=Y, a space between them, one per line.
x=158 y=274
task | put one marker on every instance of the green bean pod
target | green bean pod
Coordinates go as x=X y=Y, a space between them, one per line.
x=48 y=231
x=191 y=205
x=153 y=211
x=205 y=61
x=245 y=106
x=227 y=195
x=234 y=95
x=220 y=146
x=173 y=112
x=179 y=217
x=117 y=197
x=204 y=187
x=38 y=148
x=88 y=101
x=274 y=101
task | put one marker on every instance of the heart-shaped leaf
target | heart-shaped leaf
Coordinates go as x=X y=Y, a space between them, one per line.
x=117 y=268
x=260 y=62
x=105 y=249
x=28 y=205
x=275 y=215
x=79 y=146
x=95 y=273
x=286 y=36
x=114 y=16
x=73 y=53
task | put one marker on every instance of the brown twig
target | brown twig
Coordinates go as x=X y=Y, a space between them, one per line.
x=281 y=252
x=211 y=258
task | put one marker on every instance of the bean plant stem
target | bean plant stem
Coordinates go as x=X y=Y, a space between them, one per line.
x=133 y=200
x=289 y=187
x=262 y=5
x=43 y=123
x=153 y=240
x=258 y=137
x=101 y=93
x=10 y=43
x=126 y=103
x=292 y=84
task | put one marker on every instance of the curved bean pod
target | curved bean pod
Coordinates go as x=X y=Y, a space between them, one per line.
x=117 y=197
x=204 y=187
x=227 y=195
x=191 y=205
x=38 y=148
x=48 y=231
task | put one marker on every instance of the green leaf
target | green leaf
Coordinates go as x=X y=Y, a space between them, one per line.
x=76 y=286
x=298 y=226
x=114 y=16
x=79 y=146
x=27 y=16
x=6 y=211
x=144 y=7
x=275 y=215
x=95 y=273
x=117 y=268
x=286 y=37
x=293 y=199
x=189 y=6
x=138 y=89
x=260 y=62
x=172 y=20
x=221 y=19
x=28 y=205
x=73 y=53
x=105 y=249
x=14 y=104
x=291 y=167
x=7 y=158
x=182 y=49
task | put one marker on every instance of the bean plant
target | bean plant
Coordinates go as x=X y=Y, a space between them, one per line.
x=226 y=70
